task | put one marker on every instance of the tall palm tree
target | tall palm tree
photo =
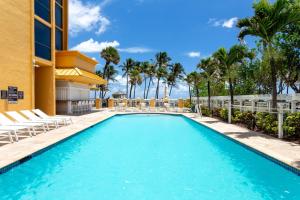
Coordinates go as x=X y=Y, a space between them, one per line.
x=209 y=72
x=228 y=61
x=110 y=55
x=195 y=79
x=188 y=79
x=145 y=68
x=268 y=20
x=162 y=62
x=126 y=67
x=135 y=79
x=176 y=72
x=150 y=73
x=110 y=76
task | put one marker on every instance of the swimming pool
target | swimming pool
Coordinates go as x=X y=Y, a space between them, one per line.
x=155 y=157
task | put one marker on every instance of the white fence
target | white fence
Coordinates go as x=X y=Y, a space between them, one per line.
x=261 y=103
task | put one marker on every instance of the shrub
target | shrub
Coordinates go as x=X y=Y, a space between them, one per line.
x=247 y=118
x=205 y=111
x=267 y=122
x=216 y=112
x=224 y=114
x=291 y=125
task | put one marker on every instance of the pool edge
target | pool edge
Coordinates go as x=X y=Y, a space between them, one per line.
x=277 y=161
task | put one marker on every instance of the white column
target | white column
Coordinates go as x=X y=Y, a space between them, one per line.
x=280 y=122
x=69 y=107
x=229 y=112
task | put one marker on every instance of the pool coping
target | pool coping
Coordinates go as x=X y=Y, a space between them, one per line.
x=11 y=164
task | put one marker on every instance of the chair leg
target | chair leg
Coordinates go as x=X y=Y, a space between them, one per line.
x=10 y=137
x=16 y=135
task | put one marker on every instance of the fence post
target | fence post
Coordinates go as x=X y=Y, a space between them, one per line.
x=253 y=106
x=229 y=112
x=293 y=106
x=280 y=121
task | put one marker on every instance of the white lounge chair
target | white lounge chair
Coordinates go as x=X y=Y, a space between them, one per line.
x=33 y=117
x=14 y=127
x=19 y=118
x=45 y=116
x=16 y=130
x=6 y=134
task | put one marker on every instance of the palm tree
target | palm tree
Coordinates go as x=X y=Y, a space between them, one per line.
x=126 y=67
x=195 y=79
x=110 y=55
x=162 y=62
x=189 y=82
x=268 y=20
x=150 y=73
x=110 y=76
x=228 y=61
x=145 y=67
x=209 y=72
x=135 y=79
x=176 y=72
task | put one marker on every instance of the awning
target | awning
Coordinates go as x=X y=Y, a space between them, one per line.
x=78 y=75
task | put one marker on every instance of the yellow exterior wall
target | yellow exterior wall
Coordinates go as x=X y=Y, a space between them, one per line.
x=45 y=90
x=16 y=51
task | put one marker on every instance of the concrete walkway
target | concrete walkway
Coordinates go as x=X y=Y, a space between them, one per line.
x=286 y=152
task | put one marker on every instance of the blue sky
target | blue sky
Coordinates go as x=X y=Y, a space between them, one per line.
x=187 y=29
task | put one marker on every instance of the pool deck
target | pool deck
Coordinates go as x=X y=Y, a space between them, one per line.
x=286 y=152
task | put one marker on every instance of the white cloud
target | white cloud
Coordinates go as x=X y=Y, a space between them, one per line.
x=92 y=46
x=121 y=81
x=230 y=22
x=136 y=50
x=225 y=23
x=86 y=17
x=194 y=54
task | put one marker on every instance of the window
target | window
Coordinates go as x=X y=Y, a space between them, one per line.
x=58 y=16
x=42 y=9
x=60 y=2
x=42 y=35
x=59 y=39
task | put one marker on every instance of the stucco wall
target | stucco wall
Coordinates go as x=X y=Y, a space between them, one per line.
x=16 y=49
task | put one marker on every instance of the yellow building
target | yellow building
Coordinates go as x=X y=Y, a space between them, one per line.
x=35 y=63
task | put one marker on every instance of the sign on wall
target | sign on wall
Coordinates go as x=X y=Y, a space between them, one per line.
x=12 y=95
x=3 y=94
x=20 y=94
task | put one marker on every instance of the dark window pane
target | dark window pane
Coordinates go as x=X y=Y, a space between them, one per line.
x=59 y=1
x=42 y=9
x=42 y=34
x=58 y=16
x=59 y=39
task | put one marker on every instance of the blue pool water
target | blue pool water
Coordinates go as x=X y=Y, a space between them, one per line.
x=149 y=157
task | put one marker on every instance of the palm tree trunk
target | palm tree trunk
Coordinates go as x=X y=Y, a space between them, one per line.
x=130 y=91
x=231 y=94
x=157 y=88
x=148 y=87
x=145 y=87
x=190 y=93
x=274 y=83
x=170 y=90
x=134 y=91
x=198 y=99
x=208 y=92
x=127 y=86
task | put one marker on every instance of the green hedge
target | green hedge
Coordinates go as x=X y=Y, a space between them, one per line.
x=291 y=125
x=259 y=121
